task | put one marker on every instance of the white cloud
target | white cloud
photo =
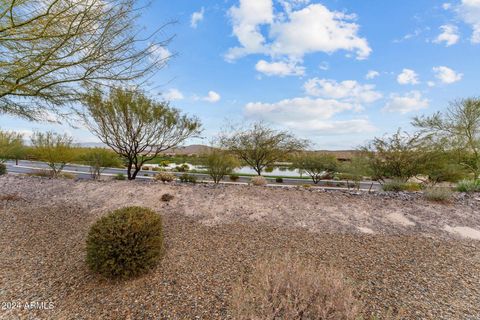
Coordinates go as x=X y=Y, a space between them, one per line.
x=212 y=97
x=246 y=19
x=289 y=5
x=348 y=91
x=173 y=95
x=469 y=11
x=293 y=33
x=196 y=18
x=431 y=84
x=332 y=127
x=314 y=29
x=161 y=53
x=449 y=35
x=324 y=66
x=446 y=6
x=309 y=115
x=447 y=75
x=410 y=102
x=372 y=74
x=281 y=69
x=408 y=76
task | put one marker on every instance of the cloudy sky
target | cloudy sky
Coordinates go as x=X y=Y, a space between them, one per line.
x=336 y=71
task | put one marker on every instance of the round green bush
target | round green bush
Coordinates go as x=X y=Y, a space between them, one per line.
x=125 y=243
x=3 y=169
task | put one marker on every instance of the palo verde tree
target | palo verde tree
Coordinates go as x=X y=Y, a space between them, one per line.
x=51 y=50
x=399 y=156
x=458 y=128
x=11 y=146
x=136 y=127
x=316 y=165
x=260 y=146
x=219 y=164
x=55 y=149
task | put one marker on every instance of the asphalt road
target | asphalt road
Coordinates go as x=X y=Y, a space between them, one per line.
x=83 y=172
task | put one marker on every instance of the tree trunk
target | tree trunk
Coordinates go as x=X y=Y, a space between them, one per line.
x=129 y=170
x=136 y=171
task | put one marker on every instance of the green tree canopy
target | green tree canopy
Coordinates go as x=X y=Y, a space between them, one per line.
x=316 y=165
x=51 y=50
x=11 y=146
x=219 y=164
x=399 y=156
x=54 y=149
x=456 y=128
x=260 y=146
x=136 y=127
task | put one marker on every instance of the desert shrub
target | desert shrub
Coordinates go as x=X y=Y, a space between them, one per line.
x=182 y=168
x=67 y=175
x=279 y=180
x=306 y=186
x=98 y=159
x=438 y=194
x=288 y=288
x=125 y=243
x=120 y=176
x=165 y=177
x=394 y=186
x=468 y=186
x=258 y=181
x=167 y=197
x=413 y=186
x=41 y=173
x=398 y=186
x=3 y=169
x=164 y=163
x=188 y=178
x=234 y=177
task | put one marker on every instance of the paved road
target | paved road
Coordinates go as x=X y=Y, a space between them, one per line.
x=82 y=172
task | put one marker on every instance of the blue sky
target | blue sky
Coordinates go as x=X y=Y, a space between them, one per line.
x=337 y=72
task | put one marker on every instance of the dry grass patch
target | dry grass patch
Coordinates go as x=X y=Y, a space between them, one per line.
x=289 y=288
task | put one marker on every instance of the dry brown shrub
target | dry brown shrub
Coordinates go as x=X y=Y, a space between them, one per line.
x=294 y=289
x=258 y=181
x=165 y=177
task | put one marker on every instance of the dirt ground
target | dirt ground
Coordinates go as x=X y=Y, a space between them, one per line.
x=400 y=251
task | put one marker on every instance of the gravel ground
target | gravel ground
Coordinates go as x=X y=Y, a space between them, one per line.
x=403 y=258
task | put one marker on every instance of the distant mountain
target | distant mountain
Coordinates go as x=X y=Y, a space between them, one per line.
x=194 y=149
x=92 y=145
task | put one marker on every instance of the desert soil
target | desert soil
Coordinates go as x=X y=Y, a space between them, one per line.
x=401 y=252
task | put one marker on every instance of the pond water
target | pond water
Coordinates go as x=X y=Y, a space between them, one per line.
x=277 y=171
